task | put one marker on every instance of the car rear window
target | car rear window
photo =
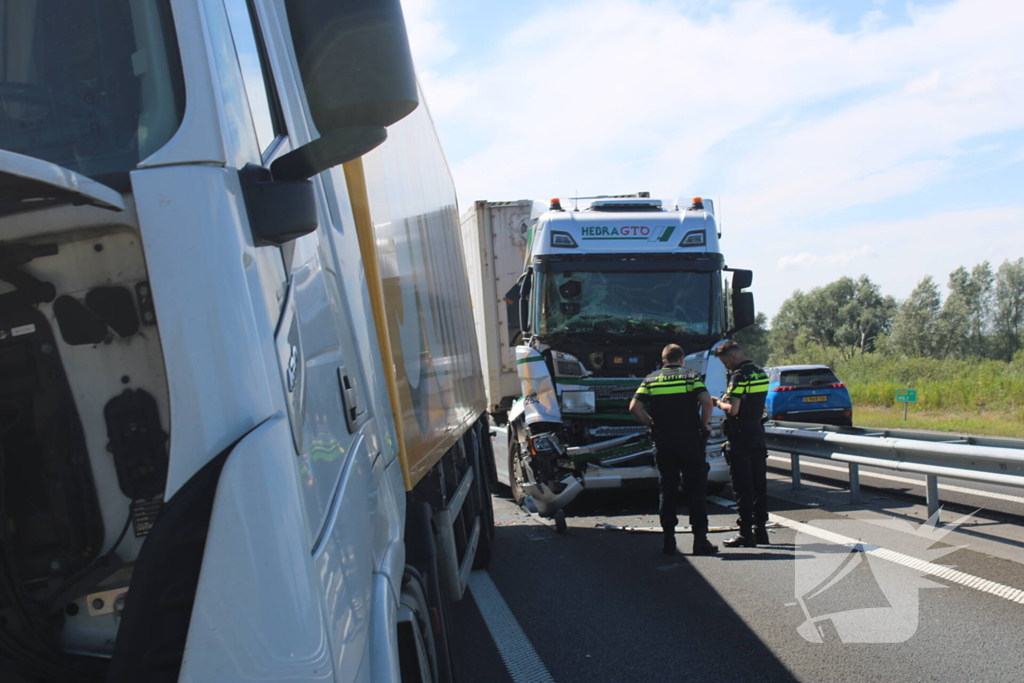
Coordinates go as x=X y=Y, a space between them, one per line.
x=812 y=377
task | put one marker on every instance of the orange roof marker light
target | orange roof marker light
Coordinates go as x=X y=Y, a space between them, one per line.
x=698 y=203
x=556 y=204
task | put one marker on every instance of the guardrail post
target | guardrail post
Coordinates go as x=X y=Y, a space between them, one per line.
x=794 y=467
x=932 y=486
x=854 y=483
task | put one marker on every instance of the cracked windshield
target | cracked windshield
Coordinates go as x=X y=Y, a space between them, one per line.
x=671 y=303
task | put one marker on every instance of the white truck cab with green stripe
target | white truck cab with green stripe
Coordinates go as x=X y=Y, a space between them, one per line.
x=605 y=287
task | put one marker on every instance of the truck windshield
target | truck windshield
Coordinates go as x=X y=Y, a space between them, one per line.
x=675 y=303
x=91 y=85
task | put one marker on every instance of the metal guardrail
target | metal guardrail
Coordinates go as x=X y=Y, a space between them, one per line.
x=989 y=460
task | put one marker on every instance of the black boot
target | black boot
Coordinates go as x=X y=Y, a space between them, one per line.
x=761 y=536
x=744 y=539
x=668 y=543
x=702 y=546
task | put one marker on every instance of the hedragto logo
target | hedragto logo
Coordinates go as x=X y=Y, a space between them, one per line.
x=656 y=233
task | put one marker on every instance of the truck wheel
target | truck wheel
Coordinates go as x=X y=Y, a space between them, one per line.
x=483 y=465
x=515 y=471
x=417 y=652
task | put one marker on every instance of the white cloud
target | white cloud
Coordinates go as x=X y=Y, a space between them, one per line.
x=427 y=36
x=896 y=254
x=786 y=119
x=805 y=259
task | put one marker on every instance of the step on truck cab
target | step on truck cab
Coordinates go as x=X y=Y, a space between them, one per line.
x=242 y=431
x=602 y=287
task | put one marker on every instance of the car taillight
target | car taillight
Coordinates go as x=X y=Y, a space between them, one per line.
x=784 y=389
x=838 y=385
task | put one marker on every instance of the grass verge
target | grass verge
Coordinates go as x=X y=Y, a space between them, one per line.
x=983 y=423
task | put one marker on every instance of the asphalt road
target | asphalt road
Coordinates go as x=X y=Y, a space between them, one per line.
x=596 y=605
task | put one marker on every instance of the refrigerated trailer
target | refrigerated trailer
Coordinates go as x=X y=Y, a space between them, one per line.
x=242 y=430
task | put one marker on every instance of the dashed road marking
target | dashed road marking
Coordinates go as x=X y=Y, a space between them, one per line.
x=995 y=495
x=930 y=568
x=521 y=660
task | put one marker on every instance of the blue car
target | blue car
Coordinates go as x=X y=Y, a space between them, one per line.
x=807 y=393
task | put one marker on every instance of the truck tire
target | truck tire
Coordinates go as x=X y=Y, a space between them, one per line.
x=421 y=553
x=515 y=475
x=483 y=465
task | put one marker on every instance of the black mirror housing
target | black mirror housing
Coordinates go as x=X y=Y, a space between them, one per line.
x=357 y=71
x=742 y=310
x=279 y=210
x=741 y=279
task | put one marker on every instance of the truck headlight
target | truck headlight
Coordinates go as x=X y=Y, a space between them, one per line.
x=578 y=402
x=567 y=365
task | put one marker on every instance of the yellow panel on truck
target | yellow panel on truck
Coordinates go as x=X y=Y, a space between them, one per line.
x=410 y=197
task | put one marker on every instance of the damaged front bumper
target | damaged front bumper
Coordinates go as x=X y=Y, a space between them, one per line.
x=635 y=469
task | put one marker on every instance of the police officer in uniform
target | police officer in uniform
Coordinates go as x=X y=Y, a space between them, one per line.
x=677 y=406
x=743 y=404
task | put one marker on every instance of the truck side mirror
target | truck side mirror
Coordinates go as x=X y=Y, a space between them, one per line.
x=741 y=279
x=742 y=310
x=525 y=288
x=357 y=71
x=742 y=302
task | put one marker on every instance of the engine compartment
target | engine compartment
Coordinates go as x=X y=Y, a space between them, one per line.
x=83 y=436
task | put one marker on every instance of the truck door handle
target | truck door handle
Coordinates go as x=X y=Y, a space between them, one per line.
x=355 y=412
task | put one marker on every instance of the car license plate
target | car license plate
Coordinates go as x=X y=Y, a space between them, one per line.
x=815 y=399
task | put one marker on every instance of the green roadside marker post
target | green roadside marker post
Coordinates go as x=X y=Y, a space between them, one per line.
x=906 y=396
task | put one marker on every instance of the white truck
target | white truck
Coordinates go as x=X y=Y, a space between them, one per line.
x=243 y=432
x=572 y=310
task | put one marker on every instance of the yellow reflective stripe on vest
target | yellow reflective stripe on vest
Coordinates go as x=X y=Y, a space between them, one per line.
x=674 y=388
x=752 y=387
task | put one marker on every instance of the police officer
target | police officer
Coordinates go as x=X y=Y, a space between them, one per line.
x=743 y=404
x=676 y=405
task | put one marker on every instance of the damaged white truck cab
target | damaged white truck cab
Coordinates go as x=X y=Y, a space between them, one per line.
x=222 y=457
x=604 y=289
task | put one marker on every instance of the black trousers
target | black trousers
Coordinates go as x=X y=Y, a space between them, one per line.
x=748 y=465
x=682 y=455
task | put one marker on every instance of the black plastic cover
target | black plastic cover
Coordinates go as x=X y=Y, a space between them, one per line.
x=138 y=444
x=115 y=307
x=78 y=325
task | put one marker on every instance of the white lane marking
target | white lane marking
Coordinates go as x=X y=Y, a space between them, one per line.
x=940 y=571
x=521 y=660
x=903 y=480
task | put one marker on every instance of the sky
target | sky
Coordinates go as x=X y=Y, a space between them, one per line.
x=838 y=137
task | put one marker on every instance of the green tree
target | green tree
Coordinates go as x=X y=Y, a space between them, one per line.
x=1008 y=326
x=966 y=314
x=754 y=339
x=915 y=329
x=846 y=315
x=786 y=326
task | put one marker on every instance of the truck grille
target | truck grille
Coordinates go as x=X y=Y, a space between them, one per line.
x=614 y=393
x=609 y=432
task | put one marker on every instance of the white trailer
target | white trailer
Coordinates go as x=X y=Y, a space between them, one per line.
x=241 y=410
x=494 y=236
